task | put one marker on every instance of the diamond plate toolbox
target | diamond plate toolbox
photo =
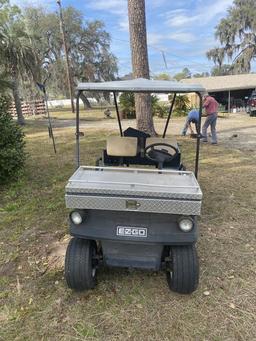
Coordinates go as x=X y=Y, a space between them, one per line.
x=127 y=189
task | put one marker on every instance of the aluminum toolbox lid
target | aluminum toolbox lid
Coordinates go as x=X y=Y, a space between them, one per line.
x=102 y=181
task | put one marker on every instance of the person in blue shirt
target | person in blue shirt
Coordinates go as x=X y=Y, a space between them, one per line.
x=193 y=117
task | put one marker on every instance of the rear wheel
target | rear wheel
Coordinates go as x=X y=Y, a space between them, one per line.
x=81 y=264
x=183 y=273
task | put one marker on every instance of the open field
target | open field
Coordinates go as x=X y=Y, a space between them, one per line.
x=129 y=305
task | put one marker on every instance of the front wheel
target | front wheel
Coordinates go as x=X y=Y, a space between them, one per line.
x=81 y=264
x=183 y=272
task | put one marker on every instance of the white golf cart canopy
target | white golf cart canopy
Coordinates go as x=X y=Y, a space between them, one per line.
x=142 y=85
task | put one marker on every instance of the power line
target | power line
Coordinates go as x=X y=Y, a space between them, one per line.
x=164 y=53
x=165 y=63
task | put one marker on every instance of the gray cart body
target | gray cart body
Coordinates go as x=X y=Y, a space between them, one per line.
x=126 y=207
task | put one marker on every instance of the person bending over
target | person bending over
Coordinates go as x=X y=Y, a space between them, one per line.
x=193 y=117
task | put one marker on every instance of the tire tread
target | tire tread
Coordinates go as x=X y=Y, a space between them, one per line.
x=185 y=269
x=78 y=264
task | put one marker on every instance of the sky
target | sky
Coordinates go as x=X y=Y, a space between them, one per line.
x=182 y=30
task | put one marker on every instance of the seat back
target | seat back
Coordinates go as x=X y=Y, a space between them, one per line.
x=122 y=146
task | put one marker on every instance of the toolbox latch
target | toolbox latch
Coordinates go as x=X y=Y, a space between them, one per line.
x=132 y=204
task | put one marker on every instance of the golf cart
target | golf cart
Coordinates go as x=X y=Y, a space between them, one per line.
x=135 y=217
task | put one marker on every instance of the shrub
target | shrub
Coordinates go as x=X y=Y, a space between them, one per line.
x=181 y=106
x=12 y=154
x=127 y=104
x=161 y=110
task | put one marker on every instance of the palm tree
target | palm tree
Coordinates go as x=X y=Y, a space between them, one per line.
x=237 y=36
x=16 y=54
x=5 y=83
x=138 y=41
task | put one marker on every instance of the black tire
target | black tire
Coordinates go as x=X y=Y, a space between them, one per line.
x=80 y=264
x=183 y=274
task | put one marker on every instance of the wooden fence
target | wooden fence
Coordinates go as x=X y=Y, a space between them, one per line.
x=36 y=107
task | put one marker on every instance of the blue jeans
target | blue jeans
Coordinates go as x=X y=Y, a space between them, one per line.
x=211 y=120
x=185 y=128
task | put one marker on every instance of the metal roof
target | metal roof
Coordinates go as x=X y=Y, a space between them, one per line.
x=142 y=85
x=225 y=83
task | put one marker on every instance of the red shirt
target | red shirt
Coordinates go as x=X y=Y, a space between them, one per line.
x=210 y=105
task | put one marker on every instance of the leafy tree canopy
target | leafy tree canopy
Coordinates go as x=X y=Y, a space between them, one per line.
x=237 y=36
x=185 y=73
x=222 y=70
x=163 y=76
x=32 y=37
x=203 y=74
x=15 y=47
x=18 y=59
x=88 y=47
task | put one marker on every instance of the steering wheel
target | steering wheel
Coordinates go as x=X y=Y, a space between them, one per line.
x=160 y=156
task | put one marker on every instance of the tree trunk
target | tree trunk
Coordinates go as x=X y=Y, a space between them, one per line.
x=16 y=96
x=87 y=104
x=138 y=41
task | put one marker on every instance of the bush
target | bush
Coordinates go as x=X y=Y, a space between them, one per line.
x=127 y=104
x=12 y=153
x=161 y=110
x=181 y=106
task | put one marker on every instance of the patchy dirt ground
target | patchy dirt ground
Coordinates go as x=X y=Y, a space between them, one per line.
x=235 y=130
x=129 y=305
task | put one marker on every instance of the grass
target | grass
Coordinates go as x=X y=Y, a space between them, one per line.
x=94 y=114
x=37 y=305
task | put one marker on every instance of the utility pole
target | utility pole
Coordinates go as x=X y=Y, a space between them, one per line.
x=69 y=75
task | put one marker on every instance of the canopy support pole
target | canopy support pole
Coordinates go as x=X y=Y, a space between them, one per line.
x=229 y=102
x=198 y=134
x=77 y=130
x=169 y=115
x=118 y=115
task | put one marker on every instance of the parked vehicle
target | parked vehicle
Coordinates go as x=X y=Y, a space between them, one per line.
x=135 y=217
x=251 y=104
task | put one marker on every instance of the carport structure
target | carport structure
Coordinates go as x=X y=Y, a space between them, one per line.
x=231 y=91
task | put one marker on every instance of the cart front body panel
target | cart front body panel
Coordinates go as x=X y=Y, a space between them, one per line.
x=133 y=239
